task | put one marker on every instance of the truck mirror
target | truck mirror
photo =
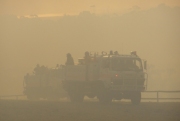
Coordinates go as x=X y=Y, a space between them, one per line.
x=145 y=65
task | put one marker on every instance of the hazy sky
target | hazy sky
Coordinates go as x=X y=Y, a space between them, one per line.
x=26 y=7
x=153 y=31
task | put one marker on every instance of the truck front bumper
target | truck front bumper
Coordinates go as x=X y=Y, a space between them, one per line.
x=128 y=88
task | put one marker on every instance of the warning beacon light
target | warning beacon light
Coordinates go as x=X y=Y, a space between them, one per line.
x=133 y=53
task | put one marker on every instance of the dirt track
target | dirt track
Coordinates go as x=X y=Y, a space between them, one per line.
x=87 y=111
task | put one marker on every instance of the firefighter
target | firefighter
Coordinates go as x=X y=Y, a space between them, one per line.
x=111 y=53
x=116 y=53
x=87 y=58
x=57 y=66
x=37 y=69
x=70 y=60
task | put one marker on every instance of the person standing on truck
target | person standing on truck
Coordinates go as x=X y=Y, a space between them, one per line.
x=70 y=60
x=116 y=53
x=87 y=58
x=37 y=70
x=111 y=52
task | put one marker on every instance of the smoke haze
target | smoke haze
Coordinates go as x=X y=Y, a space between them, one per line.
x=153 y=33
x=28 y=7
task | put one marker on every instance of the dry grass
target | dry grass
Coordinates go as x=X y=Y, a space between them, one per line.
x=88 y=111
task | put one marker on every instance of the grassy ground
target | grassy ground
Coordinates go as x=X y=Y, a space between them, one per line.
x=88 y=111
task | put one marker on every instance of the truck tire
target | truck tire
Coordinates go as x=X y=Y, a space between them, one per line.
x=76 y=97
x=136 y=98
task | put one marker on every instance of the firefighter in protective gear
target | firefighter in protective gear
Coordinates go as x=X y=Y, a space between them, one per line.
x=70 y=60
x=87 y=58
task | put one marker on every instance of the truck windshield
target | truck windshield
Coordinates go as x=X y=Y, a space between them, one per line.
x=126 y=64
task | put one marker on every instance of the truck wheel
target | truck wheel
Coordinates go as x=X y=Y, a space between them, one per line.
x=76 y=97
x=136 y=98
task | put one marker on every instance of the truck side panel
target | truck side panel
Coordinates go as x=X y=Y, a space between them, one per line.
x=75 y=73
x=81 y=73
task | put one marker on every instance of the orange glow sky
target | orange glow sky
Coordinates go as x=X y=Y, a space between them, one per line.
x=28 y=7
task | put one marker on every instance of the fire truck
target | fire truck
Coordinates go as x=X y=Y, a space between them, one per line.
x=106 y=76
x=44 y=83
